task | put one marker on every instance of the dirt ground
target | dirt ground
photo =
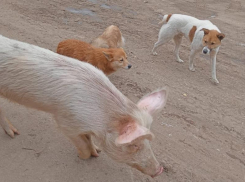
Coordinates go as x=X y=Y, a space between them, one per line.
x=200 y=136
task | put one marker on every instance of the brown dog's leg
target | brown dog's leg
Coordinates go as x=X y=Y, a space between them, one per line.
x=7 y=126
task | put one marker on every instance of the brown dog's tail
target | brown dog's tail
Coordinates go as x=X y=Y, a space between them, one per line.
x=165 y=19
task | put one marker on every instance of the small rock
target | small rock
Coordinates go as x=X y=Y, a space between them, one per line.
x=76 y=20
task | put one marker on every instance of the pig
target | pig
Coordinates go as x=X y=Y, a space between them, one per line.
x=83 y=102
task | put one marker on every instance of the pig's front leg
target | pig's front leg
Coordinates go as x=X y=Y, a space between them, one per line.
x=94 y=149
x=82 y=144
x=85 y=146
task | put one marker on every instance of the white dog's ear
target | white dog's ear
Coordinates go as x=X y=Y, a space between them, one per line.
x=206 y=31
x=221 y=36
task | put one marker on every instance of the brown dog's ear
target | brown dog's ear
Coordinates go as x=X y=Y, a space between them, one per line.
x=221 y=36
x=206 y=31
x=108 y=56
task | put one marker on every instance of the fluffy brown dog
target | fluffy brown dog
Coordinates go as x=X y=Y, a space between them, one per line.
x=111 y=38
x=107 y=60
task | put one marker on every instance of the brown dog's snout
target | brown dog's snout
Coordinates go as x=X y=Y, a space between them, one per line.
x=129 y=66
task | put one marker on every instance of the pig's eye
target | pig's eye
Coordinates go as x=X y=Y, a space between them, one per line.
x=134 y=148
x=206 y=42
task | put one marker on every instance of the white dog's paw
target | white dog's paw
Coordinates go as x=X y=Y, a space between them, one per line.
x=180 y=61
x=154 y=53
x=191 y=68
x=215 y=81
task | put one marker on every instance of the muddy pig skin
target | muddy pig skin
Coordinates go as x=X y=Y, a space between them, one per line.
x=83 y=102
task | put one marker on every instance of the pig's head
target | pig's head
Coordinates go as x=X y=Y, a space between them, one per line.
x=131 y=143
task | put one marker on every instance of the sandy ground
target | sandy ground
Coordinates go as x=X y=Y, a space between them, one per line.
x=200 y=136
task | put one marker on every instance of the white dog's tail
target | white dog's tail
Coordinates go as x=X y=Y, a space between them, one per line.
x=165 y=19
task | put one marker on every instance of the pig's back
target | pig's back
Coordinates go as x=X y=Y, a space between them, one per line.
x=41 y=79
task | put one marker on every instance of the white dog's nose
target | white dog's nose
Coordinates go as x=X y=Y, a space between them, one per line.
x=206 y=50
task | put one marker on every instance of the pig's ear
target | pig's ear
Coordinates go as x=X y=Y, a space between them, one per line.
x=130 y=132
x=108 y=56
x=155 y=101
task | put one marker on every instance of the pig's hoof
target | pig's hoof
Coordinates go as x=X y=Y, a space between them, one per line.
x=10 y=129
x=97 y=149
x=84 y=155
x=95 y=152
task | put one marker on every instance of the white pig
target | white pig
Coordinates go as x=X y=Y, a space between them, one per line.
x=83 y=101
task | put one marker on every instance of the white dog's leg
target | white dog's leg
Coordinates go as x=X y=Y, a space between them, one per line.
x=7 y=126
x=157 y=44
x=192 y=55
x=177 y=41
x=165 y=35
x=213 y=66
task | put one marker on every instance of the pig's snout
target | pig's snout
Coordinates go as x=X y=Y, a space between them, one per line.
x=152 y=171
x=159 y=171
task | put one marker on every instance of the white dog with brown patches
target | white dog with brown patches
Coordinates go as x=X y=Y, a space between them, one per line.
x=202 y=34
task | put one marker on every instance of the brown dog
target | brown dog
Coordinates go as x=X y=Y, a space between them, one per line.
x=111 y=38
x=107 y=60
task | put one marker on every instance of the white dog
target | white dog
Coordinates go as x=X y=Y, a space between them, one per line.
x=202 y=34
